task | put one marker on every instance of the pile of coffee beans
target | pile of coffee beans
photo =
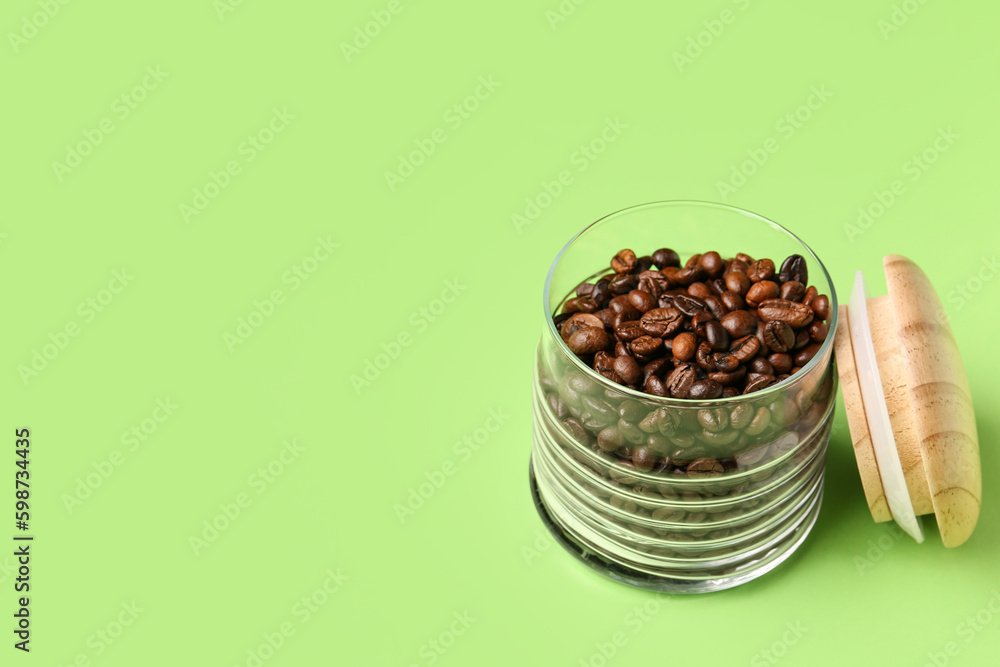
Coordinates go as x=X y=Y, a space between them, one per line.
x=712 y=328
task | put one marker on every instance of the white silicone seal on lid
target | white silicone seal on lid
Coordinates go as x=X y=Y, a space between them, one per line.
x=883 y=441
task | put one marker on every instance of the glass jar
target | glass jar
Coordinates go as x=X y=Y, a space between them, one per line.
x=678 y=528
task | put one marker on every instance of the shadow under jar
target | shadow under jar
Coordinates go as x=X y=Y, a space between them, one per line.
x=734 y=484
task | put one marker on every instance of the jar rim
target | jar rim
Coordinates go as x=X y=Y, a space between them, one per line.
x=775 y=388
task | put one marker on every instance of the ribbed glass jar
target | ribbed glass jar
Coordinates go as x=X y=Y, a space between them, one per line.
x=672 y=529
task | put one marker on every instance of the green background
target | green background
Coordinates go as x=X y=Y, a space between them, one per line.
x=475 y=546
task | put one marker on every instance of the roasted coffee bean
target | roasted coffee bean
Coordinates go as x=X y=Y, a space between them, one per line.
x=588 y=340
x=578 y=321
x=793 y=291
x=704 y=467
x=600 y=409
x=818 y=331
x=627 y=368
x=689 y=305
x=739 y=323
x=738 y=264
x=714 y=420
x=699 y=322
x=745 y=258
x=761 y=420
x=607 y=317
x=712 y=263
x=661 y=321
x=631 y=410
x=737 y=281
x=717 y=286
x=643 y=264
x=699 y=290
x=810 y=295
x=630 y=431
x=653 y=282
x=623 y=283
x=665 y=257
x=576 y=430
x=659 y=444
x=715 y=306
x=561 y=319
x=557 y=405
x=717 y=336
x=731 y=378
x=611 y=375
x=781 y=362
x=581 y=384
x=762 y=291
x=681 y=379
x=704 y=390
x=643 y=459
x=603 y=362
x=778 y=336
x=689 y=274
x=665 y=301
x=729 y=392
x=802 y=339
x=684 y=346
x=759 y=365
x=805 y=355
x=725 y=363
x=821 y=306
x=751 y=457
x=584 y=289
x=740 y=416
x=622 y=348
x=745 y=349
x=732 y=301
x=601 y=294
x=610 y=439
x=762 y=269
x=658 y=367
x=794 y=314
x=630 y=330
x=705 y=358
x=655 y=386
x=624 y=262
x=794 y=268
x=641 y=301
x=757 y=382
x=581 y=304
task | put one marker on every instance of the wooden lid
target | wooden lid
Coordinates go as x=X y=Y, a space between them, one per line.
x=928 y=400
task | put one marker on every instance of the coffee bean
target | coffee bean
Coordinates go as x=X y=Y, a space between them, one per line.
x=732 y=301
x=729 y=392
x=653 y=282
x=818 y=331
x=665 y=257
x=684 y=346
x=699 y=290
x=762 y=291
x=688 y=305
x=681 y=379
x=805 y=355
x=704 y=390
x=630 y=330
x=641 y=301
x=601 y=294
x=714 y=420
x=717 y=336
x=581 y=304
x=643 y=459
x=623 y=283
x=781 y=362
x=738 y=264
x=751 y=457
x=737 y=281
x=643 y=264
x=603 y=362
x=717 y=285
x=762 y=269
x=610 y=439
x=715 y=306
x=712 y=263
x=759 y=423
x=657 y=367
x=794 y=314
x=704 y=358
x=689 y=274
x=699 y=322
x=745 y=258
x=725 y=363
x=578 y=321
x=757 y=382
x=802 y=339
x=611 y=375
x=739 y=323
x=729 y=378
x=576 y=430
x=588 y=340
x=793 y=291
x=622 y=348
x=661 y=321
x=627 y=368
x=745 y=349
x=655 y=386
x=559 y=408
x=624 y=261
x=740 y=416
x=584 y=289
x=821 y=306
x=794 y=268
x=607 y=317
x=759 y=365
x=778 y=336
x=704 y=467
x=631 y=410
